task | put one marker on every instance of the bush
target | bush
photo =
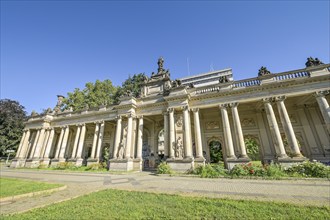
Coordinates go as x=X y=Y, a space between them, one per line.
x=249 y=169
x=210 y=171
x=96 y=166
x=274 y=170
x=164 y=168
x=310 y=169
x=63 y=166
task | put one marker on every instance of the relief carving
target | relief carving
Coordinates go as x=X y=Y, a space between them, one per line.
x=248 y=122
x=212 y=125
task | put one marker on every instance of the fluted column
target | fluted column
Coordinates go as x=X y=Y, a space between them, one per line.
x=100 y=141
x=324 y=106
x=166 y=140
x=81 y=141
x=187 y=133
x=287 y=126
x=44 y=145
x=20 y=147
x=227 y=132
x=96 y=134
x=76 y=142
x=25 y=147
x=129 y=136
x=64 y=142
x=39 y=144
x=59 y=143
x=275 y=131
x=238 y=130
x=198 y=137
x=35 y=142
x=117 y=138
x=49 y=143
x=139 y=138
x=172 y=133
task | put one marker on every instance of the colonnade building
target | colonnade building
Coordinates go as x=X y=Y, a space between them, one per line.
x=286 y=114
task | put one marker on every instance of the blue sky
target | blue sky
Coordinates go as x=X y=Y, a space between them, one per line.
x=51 y=47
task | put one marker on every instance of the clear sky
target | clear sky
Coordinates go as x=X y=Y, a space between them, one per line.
x=51 y=47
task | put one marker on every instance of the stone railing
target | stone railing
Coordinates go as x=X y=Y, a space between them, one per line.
x=257 y=81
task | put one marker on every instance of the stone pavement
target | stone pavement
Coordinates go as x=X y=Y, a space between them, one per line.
x=302 y=192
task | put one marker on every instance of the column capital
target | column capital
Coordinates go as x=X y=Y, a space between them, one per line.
x=170 y=110
x=130 y=115
x=64 y=126
x=223 y=106
x=280 y=98
x=185 y=108
x=233 y=104
x=139 y=117
x=268 y=99
x=118 y=117
x=195 y=109
x=321 y=93
x=26 y=130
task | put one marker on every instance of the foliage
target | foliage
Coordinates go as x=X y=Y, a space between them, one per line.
x=132 y=84
x=96 y=166
x=63 y=166
x=12 y=187
x=310 y=169
x=254 y=169
x=215 y=152
x=72 y=167
x=117 y=204
x=210 y=171
x=164 y=168
x=93 y=95
x=12 y=115
x=252 y=148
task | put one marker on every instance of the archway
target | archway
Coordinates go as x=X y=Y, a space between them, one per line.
x=216 y=154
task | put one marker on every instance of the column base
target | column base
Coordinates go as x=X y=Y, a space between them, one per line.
x=79 y=162
x=181 y=165
x=137 y=164
x=46 y=162
x=14 y=163
x=231 y=162
x=199 y=161
x=54 y=162
x=91 y=161
x=121 y=165
x=288 y=162
x=35 y=163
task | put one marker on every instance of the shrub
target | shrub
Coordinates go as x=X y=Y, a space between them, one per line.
x=310 y=169
x=210 y=171
x=274 y=170
x=63 y=166
x=164 y=168
x=96 y=166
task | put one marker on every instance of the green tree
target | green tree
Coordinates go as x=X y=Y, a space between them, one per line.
x=93 y=95
x=12 y=116
x=215 y=152
x=252 y=148
x=132 y=84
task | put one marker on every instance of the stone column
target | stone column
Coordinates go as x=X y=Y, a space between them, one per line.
x=166 y=148
x=100 y=141
x=49 y=143
x=20 y=147
x=59 y=143
x=187 y=133
x=238 y=130
x=44 y=144
x=81 y=141
x=275 y=131
x=117 y=138
x=172 y=133
x=35 y=143
x=324 y=106
x=287 y=126
x=25 y=146
x=227 y=132
x=39 y=144
x=129 y=136
x=198 y=137
x=64 y=143
x=96 y=134
x=139 y=139
x=76 y=141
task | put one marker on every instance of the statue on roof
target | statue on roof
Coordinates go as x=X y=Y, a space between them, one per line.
x=160 y=64
x=313 y=62
x=263 y=71
x=223 y=79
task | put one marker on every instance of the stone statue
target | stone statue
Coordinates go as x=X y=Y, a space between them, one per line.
x=223 y=79
x=178 y=148
x=34 y=113
x=160 y=64
x=263 y=71
x=121 y=151
x=313 y=62
x=176 y=83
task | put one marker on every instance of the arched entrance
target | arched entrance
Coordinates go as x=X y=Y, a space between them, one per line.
x=216 y=154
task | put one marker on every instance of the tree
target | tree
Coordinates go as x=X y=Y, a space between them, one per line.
x=252 y=149
x=132 y=84
x=93 y=95
x=12 y=116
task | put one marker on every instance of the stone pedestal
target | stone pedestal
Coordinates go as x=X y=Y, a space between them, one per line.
x=231 y=162
x=14 y=163
x=54 y=162
x=288 y=162
x=46 y=162
x=137 y=164
x=199 y=162
x=28 y=163
x=121 y=165
x=79 y=162
x=91 y=161
x=181 y=165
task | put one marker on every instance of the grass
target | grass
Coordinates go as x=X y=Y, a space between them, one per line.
x=13 y=187
x=116 y=204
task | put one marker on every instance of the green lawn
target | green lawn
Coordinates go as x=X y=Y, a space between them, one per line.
x=116 y=204
x=12 y=187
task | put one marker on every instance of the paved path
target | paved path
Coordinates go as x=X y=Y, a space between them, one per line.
x=304 y=192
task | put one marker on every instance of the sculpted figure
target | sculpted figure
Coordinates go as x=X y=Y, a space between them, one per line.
x=178 y=148
x=263 y=71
